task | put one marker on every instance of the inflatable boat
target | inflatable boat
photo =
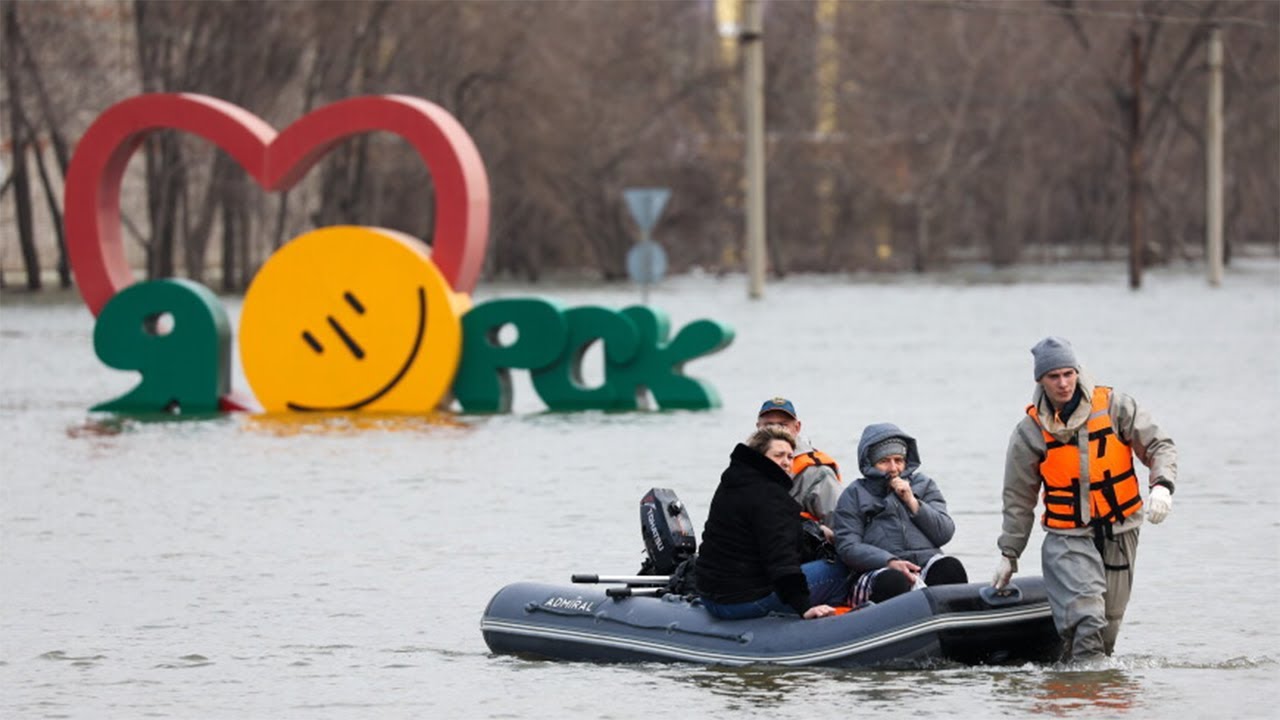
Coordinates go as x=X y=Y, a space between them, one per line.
x=968 y=624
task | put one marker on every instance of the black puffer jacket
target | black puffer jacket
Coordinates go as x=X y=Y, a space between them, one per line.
x=752 y=542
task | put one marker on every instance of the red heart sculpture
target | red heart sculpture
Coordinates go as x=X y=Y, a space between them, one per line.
x=276 y=161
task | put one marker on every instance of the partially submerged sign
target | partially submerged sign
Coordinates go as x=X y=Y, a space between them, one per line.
x=353 y=318
x=646 y=206
x=646 y=261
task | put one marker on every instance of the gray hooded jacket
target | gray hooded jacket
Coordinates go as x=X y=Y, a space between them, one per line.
x=873 y=526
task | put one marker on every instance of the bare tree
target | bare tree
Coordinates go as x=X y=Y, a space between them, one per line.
x=22 y=140
x=900 y=135
x=52 y=124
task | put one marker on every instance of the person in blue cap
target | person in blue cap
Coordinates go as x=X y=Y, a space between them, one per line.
x=816 y=483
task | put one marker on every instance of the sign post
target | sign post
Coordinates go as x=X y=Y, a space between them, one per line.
x=646 y=261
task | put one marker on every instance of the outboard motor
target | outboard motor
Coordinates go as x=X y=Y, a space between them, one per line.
x=667 y=530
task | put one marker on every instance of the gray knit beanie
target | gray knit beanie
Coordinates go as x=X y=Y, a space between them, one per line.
x=885 y=448
x=1052 y=353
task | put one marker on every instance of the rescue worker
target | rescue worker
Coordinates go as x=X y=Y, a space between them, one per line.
x=816 y=476
x=892 y=522
x=1076 y=444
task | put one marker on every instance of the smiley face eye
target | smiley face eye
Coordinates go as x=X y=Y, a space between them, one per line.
x=351 y=344
x=311 y=340
x=342 y=333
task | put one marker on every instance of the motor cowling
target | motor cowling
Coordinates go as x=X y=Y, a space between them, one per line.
x=667 y=531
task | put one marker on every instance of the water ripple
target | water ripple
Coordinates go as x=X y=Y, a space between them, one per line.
x=60 y=655
x=193 y=660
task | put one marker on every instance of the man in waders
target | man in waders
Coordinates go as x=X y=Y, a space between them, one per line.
x=1077 y=444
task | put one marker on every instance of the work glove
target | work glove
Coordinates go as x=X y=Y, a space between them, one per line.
x=1008 y=566
x=1159 y=503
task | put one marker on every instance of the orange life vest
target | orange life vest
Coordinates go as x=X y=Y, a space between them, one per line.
x=807 y=460
x=1113 y=486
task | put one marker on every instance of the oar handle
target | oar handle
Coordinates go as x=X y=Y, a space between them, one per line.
x=629 y=591
x=622 y=579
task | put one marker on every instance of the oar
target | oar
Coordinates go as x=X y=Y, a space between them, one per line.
x=623 y=579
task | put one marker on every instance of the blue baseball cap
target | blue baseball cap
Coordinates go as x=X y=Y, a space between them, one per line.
x=779 y=403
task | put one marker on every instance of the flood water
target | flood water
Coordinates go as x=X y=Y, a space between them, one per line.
x=335 y=567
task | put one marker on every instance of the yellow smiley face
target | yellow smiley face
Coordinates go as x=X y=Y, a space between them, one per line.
x=351 y=318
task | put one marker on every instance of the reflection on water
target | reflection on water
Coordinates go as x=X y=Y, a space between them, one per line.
x=1066 y=691
x=106 y=425
x=274 y=424
x=337 y=423
x=869 y=689
x=755 y=687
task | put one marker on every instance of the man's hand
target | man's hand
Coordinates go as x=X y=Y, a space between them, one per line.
x=906 y=567
x=1159 y=503
x=902 y=489
x=1004 y=572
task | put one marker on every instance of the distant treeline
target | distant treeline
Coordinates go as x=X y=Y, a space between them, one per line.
x=901 y=135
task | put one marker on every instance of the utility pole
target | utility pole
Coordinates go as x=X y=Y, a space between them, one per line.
x=1213 y=162
x=752 y=41
x=1135 y=165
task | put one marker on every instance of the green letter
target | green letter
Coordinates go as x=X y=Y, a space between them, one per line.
x=560 y=385
x=659 y=365
x=185 y=369
x=483 y=383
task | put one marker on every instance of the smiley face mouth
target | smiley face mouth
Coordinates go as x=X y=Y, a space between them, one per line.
x=359 y=353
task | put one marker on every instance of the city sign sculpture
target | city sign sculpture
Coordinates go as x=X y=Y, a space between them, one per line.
x=350 y=318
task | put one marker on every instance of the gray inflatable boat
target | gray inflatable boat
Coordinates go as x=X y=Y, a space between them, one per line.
x=968 y=624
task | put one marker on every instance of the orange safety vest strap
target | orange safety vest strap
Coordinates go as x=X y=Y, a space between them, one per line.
x=1060 y=504
x=1052 y=443
x=1119 y=509
x=804 y=461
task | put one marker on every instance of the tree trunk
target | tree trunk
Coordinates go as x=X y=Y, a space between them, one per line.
x=248 y=267
x=55 y=213
x=52 y=122
x=21 y=143
x=61 y=152
x=921 y=260
x=197 y=241
x=228 y=242
x=165 y=181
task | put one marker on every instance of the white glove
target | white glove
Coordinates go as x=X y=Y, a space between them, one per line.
x=1008 y=566
x=1159 y=503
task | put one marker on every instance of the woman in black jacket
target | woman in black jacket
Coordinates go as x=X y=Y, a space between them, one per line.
x=751 y=560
